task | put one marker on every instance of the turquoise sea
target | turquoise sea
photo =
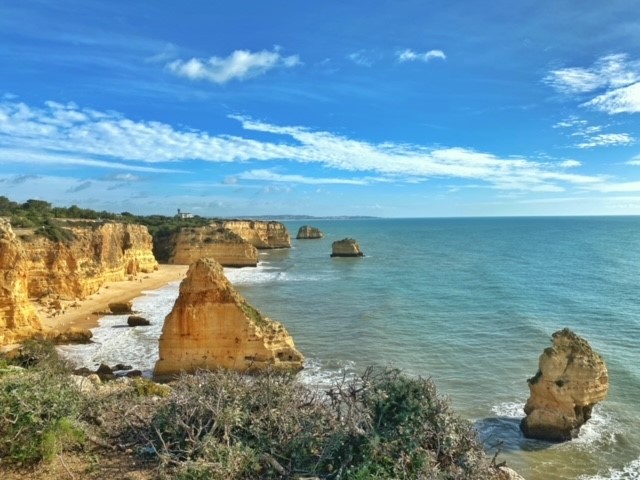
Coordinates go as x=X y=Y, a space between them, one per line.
x=470 y=303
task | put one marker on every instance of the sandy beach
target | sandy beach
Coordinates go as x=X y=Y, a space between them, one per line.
x=82 y=313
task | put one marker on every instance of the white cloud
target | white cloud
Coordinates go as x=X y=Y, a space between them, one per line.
x=590 y=136
x=570 y=164
x=363 y=58
x=409 y=55
x=271 y=176
x=571 y=122
x=607 y=140
x=620 y=100
x=69 y=135
x=238 y=65
x=610 y=71
x=634 y=161
x=616 y=187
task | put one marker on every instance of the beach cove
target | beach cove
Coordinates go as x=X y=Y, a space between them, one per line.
x=469 y=303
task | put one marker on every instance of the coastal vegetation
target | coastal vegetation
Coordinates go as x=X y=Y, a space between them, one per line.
x=383 y=424
x=54 y=222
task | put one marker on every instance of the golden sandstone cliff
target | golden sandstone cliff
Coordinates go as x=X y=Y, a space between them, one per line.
x=260 y=234
x=212 y=326
x=33 y=267
x=571 y=379
x=18 y=317
x=221 y=244
x=95 y=255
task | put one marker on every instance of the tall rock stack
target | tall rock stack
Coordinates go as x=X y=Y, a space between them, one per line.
x=212 y=326
x=571 y=379
x=18 y=317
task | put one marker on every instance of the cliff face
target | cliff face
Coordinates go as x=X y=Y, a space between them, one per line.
x=212 y=326
x=225 y=246
x=260 y=234
x=18 y=317
x=75 y=269
x=571 y=379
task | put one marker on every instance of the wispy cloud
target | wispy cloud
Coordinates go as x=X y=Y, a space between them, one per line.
x=614 y=79
x=570 y=164
x=591 y=136
x=620 y=100
x=607 y=140
x=239 y=65
x=69 y=135
x=610 y=71
x=408 y=55
x=271 y=176
x=81 y=186
x=364 y=58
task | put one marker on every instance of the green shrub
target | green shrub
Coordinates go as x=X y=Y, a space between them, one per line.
x=382 y=425
x=40 y=409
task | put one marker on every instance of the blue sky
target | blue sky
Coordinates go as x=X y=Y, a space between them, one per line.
x=404 y=108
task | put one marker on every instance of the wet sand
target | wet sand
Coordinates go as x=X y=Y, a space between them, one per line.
x=83 y=313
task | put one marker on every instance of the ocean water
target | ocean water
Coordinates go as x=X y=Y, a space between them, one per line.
x=470 y=303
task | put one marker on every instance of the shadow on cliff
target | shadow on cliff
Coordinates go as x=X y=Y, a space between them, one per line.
x=504 y=433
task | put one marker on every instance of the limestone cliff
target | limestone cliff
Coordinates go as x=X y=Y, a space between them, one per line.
x=212 y=326
x=571 y=379
x=225 y=246
x=18 y=317
x=260 y=234
x=94 y=255
x=309 y=233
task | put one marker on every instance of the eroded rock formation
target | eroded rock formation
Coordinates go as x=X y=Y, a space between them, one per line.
x=347 y=247
x=95 y=255
x=570 y=380
x=226 y=247
x=212 y=326
x=309 y=233
x=18 y=317
x=260 y=234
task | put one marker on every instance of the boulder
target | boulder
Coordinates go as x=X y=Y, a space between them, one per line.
x=309 y=233
x=104 y=369
x=137 y=321
x=121 y=366
x=212 y=326
x=121 y=308
x=73 y=335
x=347 y=247
x=571 y=379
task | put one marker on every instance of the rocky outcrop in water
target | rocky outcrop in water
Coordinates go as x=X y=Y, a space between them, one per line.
x=571 y=379
x=260 y=234
x=212 y=326
x=92 y=256
x=18 y=317
x=309 y=233
x=347 y=247
x=228 y=248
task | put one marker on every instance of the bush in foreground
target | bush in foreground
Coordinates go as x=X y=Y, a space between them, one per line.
x=382 y=425
x=39 y=408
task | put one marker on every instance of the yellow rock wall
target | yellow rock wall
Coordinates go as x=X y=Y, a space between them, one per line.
x=212 y=326
x=18 y=317
x=78 y=268
x=260 y=234
x=224 y=246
